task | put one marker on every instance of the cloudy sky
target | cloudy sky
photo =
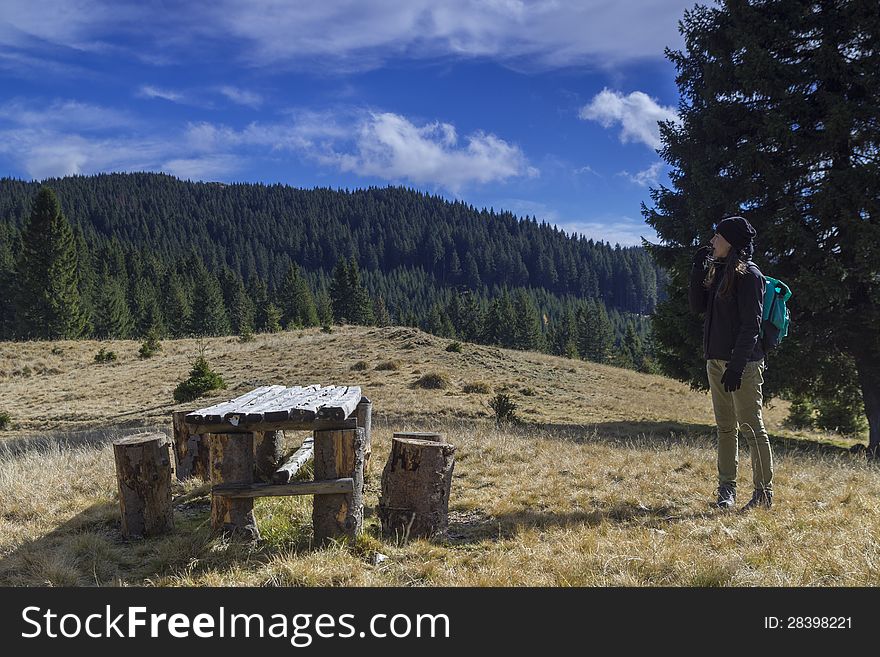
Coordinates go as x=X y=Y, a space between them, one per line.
x=547 y=108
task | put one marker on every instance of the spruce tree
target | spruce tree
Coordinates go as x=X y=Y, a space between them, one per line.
x=209 y=316
x=112 y=317
x=527 y=333
x=48 y=298
x=780 y=103
x=563 y=336
x=340 y=292
x=295 y=300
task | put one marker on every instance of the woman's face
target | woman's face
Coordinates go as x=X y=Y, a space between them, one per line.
x=720 y=245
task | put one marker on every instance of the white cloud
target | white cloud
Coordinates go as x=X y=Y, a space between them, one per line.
x=636 y=113
x=390 y=147
x=625 y=231
x=586 y=169
x=66 y=114
x=213 y=166
x=649 y=177
x=67 y=137
x=353 y=34
x=242 y=96
x=149 y=91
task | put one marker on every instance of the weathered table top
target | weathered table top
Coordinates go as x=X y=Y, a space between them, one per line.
x=269 y=408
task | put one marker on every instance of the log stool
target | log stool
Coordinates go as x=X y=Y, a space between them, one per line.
x=143 y=474
x=416 y=483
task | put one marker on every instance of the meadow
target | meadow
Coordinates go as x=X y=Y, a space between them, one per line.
x=607 y=480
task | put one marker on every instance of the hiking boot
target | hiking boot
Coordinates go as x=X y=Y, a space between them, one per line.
x=726 y=496
x=761 y=498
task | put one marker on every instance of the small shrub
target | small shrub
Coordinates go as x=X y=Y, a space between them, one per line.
x=201 y=379
x=5 y=420
x=800 y=414
x=454 y=347
x=527 y=392
x=360 y=366
x=504 y=408
x=389 y=365
x=105 y=356
x=433 y=381
x=477 y=386
x=151 y=346
x=247 y=335
x=57 y=351
x=326 y=329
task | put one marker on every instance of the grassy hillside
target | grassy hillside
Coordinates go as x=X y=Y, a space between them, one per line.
x=607 y=482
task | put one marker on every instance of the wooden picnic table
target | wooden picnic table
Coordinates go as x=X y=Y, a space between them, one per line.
x=338 y=416
x=277 y=407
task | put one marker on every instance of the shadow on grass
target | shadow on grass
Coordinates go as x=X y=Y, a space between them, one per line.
x=467 y=527
x=89 y=549
x=92 y=437
x=669 y=433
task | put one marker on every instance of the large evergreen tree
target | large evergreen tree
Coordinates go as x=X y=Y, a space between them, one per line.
x=779 y=116
x=48 y=298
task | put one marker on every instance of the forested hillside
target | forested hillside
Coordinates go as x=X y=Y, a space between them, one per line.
x=159 y=250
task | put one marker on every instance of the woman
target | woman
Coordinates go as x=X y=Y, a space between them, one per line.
x=729 y=289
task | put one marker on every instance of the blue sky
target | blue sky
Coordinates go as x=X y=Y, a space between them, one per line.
x=545 y=108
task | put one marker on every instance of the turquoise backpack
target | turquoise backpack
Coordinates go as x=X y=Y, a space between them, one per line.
x=774 y=321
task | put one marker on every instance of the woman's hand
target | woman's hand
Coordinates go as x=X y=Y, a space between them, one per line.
x=702 y=255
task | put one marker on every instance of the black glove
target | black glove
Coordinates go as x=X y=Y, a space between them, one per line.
x=702 y=255
x=732 y=380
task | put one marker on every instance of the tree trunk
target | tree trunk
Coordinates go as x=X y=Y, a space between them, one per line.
x=339 y=453
x=268 y=452
x=869 y=380
x=191 y=450
x=416 y=483
x=143 y=474
x=232 y=462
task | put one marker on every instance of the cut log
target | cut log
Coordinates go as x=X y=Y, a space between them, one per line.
x=327 y=487
x=190 y=449
x=339 y=454
x=143 y=474
x=232 y=462
x=268 y=452
x=297 y=460
x=416 y=483
x=364 y=413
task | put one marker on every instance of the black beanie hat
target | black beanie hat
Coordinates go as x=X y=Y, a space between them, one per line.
x=737 y=231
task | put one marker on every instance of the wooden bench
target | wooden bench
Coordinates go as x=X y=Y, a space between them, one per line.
x=338 y=416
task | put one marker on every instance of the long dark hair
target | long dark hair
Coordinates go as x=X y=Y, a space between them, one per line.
x=730 y=267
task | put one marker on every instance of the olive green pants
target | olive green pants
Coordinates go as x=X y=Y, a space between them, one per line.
x=741 y=410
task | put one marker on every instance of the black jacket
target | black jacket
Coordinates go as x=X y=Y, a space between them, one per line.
x=732 y=325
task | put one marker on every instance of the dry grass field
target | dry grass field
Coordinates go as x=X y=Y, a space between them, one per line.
x=607 y=481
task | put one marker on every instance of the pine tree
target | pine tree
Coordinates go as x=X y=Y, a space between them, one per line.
x=340 y=292
x=563 y=336
x=527 y=333
x=380 y=311
x=273 y=318
x=178 y=312
x=780 y=103
x=325 y=307
x=295 y=300
x=48 y=299
x=595 y=333
x=209 y=315
x=112 y=315
x=361 y=306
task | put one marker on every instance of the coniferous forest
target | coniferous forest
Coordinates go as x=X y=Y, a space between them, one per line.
x=126 y=255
